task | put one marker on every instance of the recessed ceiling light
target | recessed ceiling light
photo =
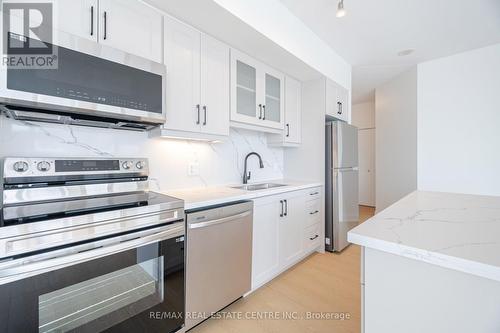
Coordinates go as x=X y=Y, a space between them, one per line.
x=340 y=9
x=405 y=52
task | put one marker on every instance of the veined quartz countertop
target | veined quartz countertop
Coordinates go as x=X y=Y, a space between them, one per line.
x=209 y=196
x=456 y=231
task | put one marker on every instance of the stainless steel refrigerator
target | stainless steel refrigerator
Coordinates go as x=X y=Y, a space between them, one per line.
x=342 y=208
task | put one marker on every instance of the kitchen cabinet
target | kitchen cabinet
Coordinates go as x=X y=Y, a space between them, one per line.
x=290 y=229
x=286 y=228
x=291 y=135
x=256 y=94
x=337 y=100
x=197 y=83
x=265 y=247
x=78 y=18
x=130 y=25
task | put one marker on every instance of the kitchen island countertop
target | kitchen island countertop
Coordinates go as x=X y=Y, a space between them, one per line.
x=456 y=231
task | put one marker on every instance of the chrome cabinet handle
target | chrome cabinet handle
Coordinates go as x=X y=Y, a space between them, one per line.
x=286 y=207
x=204 y=115
x=198 y=112
x=91 y=20
x=282 y=208
x=315 y=212
x=264 y=112
x=260 y=111
x=313 y=238
x=218 y=221
x=287 y=130
x=105 y=25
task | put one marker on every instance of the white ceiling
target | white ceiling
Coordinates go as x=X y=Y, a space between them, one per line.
x=209 y=17
x=374 y=31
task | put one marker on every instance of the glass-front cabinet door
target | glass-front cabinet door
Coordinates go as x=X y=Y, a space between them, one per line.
x=256 y=93
x=246 y=89
x=273 y=105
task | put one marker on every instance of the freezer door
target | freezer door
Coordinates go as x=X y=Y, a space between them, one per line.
x=346 y=204
x=345 y=145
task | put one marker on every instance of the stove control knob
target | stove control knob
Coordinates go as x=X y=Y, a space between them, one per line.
x=140 y=165
x=43 y=166
x=126 y=165
x=21 y=166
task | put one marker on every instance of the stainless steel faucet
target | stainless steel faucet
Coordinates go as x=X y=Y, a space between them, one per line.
x=246 y=176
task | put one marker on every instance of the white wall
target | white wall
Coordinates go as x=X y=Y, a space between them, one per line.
x=459 y=123
x=219 y=164
x=363 y=117
x=396 y=139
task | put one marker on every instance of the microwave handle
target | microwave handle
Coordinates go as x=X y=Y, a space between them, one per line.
x=10 y=274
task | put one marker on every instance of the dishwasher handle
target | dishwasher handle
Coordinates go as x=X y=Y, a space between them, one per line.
x=219 y=221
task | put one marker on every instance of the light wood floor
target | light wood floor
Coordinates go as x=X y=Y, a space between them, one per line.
x=327 y=283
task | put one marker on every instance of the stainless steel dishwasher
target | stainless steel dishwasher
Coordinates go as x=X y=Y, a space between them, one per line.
x=219 y=258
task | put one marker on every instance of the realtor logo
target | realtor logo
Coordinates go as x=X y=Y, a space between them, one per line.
x=27 y=36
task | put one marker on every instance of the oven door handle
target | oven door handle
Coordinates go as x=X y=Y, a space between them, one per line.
x=16 y=270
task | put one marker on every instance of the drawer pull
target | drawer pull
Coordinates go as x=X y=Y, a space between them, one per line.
x=314 y=193
x=313 y=238
x=315 y=212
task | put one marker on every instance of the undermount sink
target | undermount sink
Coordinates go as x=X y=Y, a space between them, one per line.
x=255 y=187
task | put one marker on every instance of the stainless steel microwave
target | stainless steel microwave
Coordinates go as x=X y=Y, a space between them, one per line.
x=93 y=85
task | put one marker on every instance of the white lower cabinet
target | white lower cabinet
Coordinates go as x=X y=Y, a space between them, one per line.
x=286 y=228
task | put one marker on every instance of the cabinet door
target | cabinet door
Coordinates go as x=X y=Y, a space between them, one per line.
x=182 y=58
x=342 y=103
x=293 y=101
x=331 y=98
x=291 y=230
x=214 y=86
x=131 y=26
x=245 y=85
x=77 y=18
x=273 y=99
x=265 y=251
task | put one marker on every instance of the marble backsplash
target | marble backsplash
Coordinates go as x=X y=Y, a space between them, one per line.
x=218 y=163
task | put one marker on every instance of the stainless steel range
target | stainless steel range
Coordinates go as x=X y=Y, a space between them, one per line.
x=85 y=246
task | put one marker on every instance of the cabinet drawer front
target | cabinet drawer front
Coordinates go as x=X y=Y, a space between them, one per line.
x=313 y=211
x=312 y=236
x=314 y=193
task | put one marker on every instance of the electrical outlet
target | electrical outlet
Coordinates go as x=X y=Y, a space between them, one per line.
x=194 y=169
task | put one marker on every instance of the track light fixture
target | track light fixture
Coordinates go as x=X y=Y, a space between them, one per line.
x=340 y=9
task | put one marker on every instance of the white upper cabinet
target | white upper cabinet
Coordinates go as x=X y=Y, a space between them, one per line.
x=342 y=103
x=78 y=18
x=214 y=86
x=182 y=58
x=337 y=100
x=131 y=26
x=197 y=83
x=293 y=111
x=127 y=25
x=291 y=135
x=256 y=93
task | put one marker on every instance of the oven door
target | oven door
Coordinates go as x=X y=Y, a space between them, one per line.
x=131 y=283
